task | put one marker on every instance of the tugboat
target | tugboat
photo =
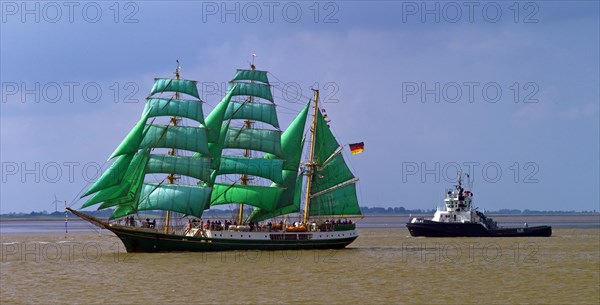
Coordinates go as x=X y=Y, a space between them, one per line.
x=459 y=219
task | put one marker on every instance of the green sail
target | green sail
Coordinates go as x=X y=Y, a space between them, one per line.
x=251 y=75
x=125 y=205
x=186 y=199
x=331 y=168
x=289 y=202
x=333 y=172
x=264 y=197
x=325 y=142
x=214 y=120
x=129 y=200
x=112 y=176
x=292 y=142
x=216 y=149
x=198 y=168
x=122 y=211
x=332 y=190
x=191 y=109
x=264 y=140
x=127 y=189
x=178 y=137
x=175 y=85
x=291 y=146
x=338 y=202
x=113 y=193
x=252 y=111
x=251 y=89
x=270 y=169
x=132 y=142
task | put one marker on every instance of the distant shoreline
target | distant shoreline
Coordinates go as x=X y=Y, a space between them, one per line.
x=56 y=225
x=73 y=217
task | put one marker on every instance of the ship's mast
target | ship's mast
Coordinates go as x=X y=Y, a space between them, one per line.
x=247 y=125
x=311 y=164
x=171 y=177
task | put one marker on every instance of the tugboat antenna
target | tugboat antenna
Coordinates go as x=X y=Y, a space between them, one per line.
x=469 y=181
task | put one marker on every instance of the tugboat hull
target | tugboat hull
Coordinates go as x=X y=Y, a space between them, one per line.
x=428 y=228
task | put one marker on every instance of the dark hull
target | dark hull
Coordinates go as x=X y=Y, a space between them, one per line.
x=145 y=240
x=429 y=228
x=141 y=241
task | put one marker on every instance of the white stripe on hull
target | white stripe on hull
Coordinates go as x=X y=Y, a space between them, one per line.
x=273 y=235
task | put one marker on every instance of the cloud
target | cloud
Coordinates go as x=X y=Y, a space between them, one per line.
x=544 y=112
x=588 y=110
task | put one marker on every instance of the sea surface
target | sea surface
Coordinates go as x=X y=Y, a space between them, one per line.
x=41 y=264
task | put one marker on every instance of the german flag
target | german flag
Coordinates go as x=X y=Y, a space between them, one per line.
x=357 y=148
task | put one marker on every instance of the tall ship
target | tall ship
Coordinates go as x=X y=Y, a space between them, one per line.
x=459 y=219
x=237 y=155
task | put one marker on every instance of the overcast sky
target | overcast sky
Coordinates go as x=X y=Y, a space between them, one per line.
x=506 y=91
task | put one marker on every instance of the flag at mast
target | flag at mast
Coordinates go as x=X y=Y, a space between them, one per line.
x=357 y=148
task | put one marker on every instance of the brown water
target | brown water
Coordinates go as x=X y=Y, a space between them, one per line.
x=383 y=266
